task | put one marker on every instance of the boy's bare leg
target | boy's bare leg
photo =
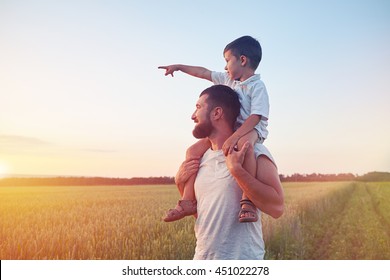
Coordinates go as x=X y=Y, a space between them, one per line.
x=187 y=204
x=189 y=190
x=248 y=209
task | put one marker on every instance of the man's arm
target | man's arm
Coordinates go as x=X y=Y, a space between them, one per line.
x=265 y=191
x=196 y=71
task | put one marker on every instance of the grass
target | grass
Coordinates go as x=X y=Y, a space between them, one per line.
x=322 y=221
x=91 y=223
x=337 y=221
x=358 y=232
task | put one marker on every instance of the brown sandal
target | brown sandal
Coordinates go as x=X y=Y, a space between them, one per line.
x=251 y=209
x=188 y=207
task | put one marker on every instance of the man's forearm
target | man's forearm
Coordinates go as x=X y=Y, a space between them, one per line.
x=265 y=193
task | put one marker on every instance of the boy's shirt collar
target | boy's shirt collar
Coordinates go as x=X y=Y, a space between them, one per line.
x=253 y=78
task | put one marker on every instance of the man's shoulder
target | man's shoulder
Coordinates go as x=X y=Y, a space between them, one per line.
x=262 y=153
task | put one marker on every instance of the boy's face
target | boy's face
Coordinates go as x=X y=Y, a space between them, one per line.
x=233 y=66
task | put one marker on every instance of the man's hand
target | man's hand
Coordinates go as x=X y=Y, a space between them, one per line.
x=188 y=168
x=169 y=69
x=235 y=159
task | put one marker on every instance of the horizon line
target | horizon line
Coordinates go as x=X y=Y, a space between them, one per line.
x=4 y=176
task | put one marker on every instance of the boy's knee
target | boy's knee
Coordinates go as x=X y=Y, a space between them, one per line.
x=242 y=142
x=190 y=152
x=250 y=137
x=193 y=152
x=250 y=149
x=198 y=149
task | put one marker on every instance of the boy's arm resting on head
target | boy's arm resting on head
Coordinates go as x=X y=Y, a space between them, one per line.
x=196 y=71
x=248 y=125
x=265 y=191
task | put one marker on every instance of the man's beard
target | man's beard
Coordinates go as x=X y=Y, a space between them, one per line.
x=203 y=130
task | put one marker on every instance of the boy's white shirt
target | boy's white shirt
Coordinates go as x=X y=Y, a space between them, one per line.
x=253 y=96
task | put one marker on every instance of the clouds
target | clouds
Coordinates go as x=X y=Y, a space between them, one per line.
x=21 y=143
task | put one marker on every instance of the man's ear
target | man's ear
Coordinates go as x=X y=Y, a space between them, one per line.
x=217 y=113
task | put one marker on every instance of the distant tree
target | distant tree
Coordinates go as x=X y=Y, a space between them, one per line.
x=96 y=181
x=375 y=177
x=84 y=181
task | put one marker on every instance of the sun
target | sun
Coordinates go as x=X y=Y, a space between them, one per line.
x=3 y=170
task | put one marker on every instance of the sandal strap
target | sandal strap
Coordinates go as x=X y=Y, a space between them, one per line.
x=251 y=208
x=187 y=203
x=247 y=201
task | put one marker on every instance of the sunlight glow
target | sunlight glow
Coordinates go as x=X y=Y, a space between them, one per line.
x=3 y=170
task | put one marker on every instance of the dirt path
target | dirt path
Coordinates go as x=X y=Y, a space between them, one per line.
x=359 y=231
x=330 y=227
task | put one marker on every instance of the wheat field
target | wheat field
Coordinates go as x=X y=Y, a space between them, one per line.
x=338 y=220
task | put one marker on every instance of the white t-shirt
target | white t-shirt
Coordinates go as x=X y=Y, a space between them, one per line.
x=253 y=97
x=219 y=234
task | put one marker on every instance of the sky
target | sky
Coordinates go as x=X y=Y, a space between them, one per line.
x=81 y=94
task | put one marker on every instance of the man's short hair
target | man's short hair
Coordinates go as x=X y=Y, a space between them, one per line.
x=226 y=98
x=247 y=46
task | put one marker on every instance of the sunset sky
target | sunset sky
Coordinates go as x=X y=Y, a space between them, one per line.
x=80 y=92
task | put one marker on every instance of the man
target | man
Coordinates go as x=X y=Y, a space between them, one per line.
x=221 y=180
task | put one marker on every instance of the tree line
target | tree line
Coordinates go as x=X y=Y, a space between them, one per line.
x=96 y=181
x=318 y=177
x=85 y=181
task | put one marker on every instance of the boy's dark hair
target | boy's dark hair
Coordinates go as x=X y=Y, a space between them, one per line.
x=226 y=98
x=247 y=46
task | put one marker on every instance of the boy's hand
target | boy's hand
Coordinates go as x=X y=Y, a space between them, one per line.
x=169 y=69
x=229 y=145
x=235 y=159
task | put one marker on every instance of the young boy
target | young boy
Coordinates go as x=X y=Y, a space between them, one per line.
x=242 y=56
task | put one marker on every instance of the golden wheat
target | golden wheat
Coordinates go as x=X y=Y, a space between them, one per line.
x=124 y=222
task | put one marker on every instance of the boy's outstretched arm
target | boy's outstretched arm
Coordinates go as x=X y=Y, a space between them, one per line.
x=196 y=71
